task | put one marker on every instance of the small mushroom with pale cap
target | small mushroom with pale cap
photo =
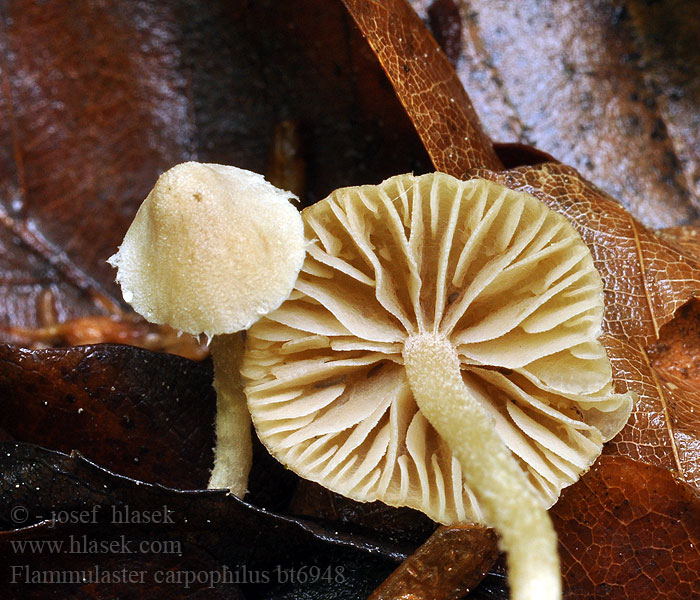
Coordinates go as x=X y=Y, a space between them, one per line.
x=439 y=350
x=210 y=250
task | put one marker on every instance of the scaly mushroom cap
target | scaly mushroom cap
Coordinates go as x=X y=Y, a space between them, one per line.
x=508 y=282
x=211 y=249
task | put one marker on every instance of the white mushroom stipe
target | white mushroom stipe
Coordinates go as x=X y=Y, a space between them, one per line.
x=233 y=454
x=507 y=294
x=507 y=500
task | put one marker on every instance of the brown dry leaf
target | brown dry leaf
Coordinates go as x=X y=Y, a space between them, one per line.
x=646 y=279
x=676 y=354
x=411 y=59
x=686 y=238
x=610 y=88
x=446 y=567
x=664 y=428
x=116 y=328
x=629 y=531
x=98 y=99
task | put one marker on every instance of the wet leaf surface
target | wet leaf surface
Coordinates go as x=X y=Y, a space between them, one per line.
x=94 y=506
x=101 y=97
x=138 y=413
x=610 y=88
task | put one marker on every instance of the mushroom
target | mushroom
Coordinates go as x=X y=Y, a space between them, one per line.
x=439 y=351
x=210 y=250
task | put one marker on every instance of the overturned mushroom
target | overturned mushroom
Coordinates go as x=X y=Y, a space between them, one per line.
x=440 y=351
x=211 y=249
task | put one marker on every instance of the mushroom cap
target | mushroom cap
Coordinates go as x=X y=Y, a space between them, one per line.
x=507 y=281
x=211 y=249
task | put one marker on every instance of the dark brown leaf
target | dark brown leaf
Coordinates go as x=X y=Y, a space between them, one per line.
x=447 y=567
x=629 y=531
x=609 y=88
x=100 y=98
x=130 y=571
x=47 y=485
x=46 y=488
x=138 y=413
x=395 y=524
x=425 y=83
x=82 y=89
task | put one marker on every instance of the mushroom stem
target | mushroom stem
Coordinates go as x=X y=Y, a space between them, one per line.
x=233 y=455
x=507 y=499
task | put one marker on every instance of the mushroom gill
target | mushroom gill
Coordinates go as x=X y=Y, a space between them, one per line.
x=436 y=323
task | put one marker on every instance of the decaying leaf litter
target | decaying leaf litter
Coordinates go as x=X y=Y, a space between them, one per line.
x=650 y=326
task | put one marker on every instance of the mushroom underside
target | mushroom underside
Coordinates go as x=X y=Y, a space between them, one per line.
x=504 y=280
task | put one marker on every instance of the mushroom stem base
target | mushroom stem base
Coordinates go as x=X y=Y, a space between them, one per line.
x=506 y=497
x=233 y=454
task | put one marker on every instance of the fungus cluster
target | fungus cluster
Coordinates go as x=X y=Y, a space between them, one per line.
x=436 y=349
